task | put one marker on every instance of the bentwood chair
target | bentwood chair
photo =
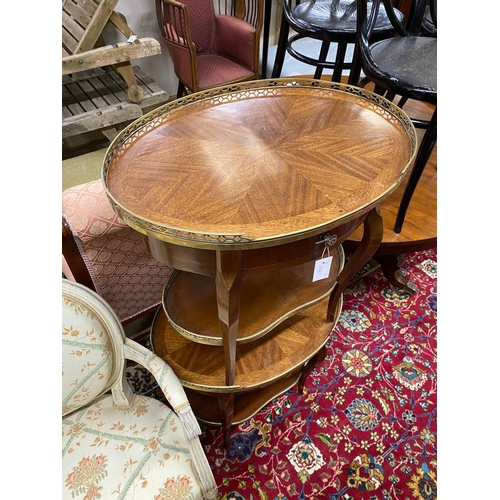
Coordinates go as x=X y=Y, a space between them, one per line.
x=116 y=444
x=429 y=22
x=211 y=42
x=329 y=21
x=406 y=66
x=103 y=253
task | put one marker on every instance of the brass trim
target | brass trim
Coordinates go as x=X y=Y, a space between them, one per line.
x=251 y=414
x=235 y=92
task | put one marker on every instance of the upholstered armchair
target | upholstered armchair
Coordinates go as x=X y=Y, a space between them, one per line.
x=116 y=444
x=100 y=251
x=211 y=46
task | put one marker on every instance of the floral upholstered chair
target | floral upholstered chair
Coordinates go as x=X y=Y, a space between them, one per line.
x=105 y=254
x=116 y=444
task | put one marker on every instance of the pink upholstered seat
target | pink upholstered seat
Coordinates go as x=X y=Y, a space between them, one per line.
x=103 y=253
x=210 y=48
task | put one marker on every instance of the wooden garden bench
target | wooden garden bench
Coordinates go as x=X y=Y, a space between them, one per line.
x=100 y=87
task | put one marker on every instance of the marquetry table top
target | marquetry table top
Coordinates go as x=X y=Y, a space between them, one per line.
x=258 y=163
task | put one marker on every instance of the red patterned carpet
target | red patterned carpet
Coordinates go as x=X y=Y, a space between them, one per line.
x=366 y=427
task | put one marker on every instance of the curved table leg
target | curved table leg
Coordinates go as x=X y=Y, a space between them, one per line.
x=372 y=237
x=228 y=286
x=226 y=407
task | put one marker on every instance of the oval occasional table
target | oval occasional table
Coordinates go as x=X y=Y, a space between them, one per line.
x=248 y=191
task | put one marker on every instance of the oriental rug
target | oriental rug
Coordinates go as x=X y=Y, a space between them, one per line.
x=366 y=428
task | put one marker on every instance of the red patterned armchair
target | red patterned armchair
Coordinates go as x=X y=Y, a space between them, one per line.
x=100 y=251
x=211 y=42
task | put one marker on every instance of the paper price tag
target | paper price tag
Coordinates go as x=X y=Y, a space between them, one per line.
x=322 y=268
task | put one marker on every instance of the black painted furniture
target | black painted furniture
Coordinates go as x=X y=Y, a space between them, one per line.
x=331 y=21
x=404 y=65
x=429 y=22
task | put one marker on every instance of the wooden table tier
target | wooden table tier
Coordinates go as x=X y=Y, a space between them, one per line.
x=246 y=405
x=267 y=298
x=262 y=162
x=282 y=352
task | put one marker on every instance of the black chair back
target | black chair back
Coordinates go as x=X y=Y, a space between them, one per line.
x=385 y=68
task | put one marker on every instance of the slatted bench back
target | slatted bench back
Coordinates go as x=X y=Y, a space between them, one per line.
x=83 y=22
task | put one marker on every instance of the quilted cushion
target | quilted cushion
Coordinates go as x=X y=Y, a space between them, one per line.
x=140 y=453
x=122 y=270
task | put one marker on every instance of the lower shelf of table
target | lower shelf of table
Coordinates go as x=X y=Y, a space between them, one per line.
x=264 y=368
x=246 y=405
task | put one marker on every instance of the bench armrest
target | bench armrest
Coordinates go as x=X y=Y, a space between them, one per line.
x=110 y=54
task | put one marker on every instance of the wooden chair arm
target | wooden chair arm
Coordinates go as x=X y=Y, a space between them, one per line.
x=110 y=54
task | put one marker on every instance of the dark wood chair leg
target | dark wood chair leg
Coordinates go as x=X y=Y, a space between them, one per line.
x=424 y=152
x=180 y=90
x=323 y=54
x=281 y=48
x=265 y=38
x=355 y=73
x=339 y=61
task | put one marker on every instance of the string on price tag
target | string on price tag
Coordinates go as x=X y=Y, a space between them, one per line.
x=322 y=266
